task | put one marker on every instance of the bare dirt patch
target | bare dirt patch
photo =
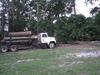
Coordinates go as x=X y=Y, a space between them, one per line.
x=82 y=45
x=88 y=54
x=80 y=50
x=26 y=60
x=68 y=64
x=81 y=55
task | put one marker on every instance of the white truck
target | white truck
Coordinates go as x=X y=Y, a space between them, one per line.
x=20 y=40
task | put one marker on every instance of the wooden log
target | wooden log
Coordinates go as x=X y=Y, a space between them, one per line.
x=26 y=33
x=15 y=38
x=20 y=38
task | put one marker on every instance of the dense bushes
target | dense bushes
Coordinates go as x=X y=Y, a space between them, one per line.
x=77 y=28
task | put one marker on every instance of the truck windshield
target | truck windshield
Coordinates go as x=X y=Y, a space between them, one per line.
x=44 y=35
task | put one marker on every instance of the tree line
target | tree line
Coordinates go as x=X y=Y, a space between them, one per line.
x=50 y=16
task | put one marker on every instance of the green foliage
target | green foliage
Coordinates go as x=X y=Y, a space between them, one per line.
x=32 y=26
x=77 y=27
x=17 y=21
x=97 y=19
x=61 y=30
x=46 y=26
x=77 y=23
x=97 y=24
x=58 y=7
x=19 y=24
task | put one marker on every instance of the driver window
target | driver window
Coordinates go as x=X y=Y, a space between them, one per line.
x=44 y=35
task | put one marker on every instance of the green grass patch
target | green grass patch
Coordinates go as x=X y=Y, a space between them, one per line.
x=46 y=62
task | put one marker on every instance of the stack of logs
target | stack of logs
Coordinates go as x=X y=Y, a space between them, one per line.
x=20 y=35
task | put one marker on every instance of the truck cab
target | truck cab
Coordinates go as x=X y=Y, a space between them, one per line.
x=45 y=40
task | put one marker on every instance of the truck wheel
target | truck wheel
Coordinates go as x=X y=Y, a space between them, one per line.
x=13 y=48
x=52 y=45
x=4 y=48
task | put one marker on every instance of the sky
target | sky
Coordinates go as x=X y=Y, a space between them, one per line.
x=82 y=8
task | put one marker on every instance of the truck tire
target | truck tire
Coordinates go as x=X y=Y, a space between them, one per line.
x=13 y=48
x=4 y=48
x=52 y=45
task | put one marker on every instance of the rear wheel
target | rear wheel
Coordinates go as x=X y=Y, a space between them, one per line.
x=52 y=45
x=4 y=48
x=13 y=48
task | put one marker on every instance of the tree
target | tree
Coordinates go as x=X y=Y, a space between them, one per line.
x=95 y=10
x=91 y=1
x=16 y=13
x=62 y=31
x=77 y=23
x=97 y=19
x=4 y=17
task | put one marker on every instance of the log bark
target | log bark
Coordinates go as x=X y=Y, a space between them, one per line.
x=26 y=33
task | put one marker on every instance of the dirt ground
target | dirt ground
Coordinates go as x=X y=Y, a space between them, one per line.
x=82 y=44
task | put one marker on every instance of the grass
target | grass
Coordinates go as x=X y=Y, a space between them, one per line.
x=47 y=62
